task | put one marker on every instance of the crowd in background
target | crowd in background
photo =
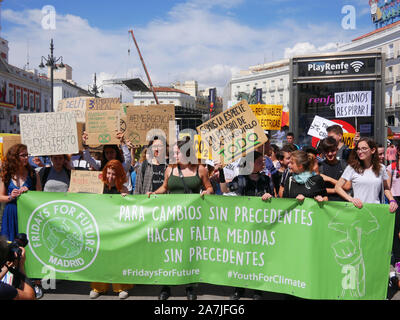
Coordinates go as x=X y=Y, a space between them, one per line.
x=330 y=171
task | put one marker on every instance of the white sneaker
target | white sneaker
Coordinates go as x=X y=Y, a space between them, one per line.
x=123 y=294
x=94 y=294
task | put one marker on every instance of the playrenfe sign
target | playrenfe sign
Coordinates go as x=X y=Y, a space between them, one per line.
x=336 y=67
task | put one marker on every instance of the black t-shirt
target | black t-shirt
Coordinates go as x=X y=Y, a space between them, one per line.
x=158 y=176
x=315 y=186
x=244 y=186
x=7 y=292
x=334 y=171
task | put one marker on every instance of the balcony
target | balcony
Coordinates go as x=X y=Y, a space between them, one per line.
x=272 y=88
x=281 y=87
x=389 y=80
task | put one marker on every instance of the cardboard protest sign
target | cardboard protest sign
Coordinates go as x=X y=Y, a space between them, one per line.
x=77 y=105
x=269 y=116
x=103 y=104
x=143 y=123
x=102 y=126
x=85 y=181
x=318 y=127
x=6 y=142
x=49 y=133
x=348 y=139
x=233 y=133
x=202 y=149
x=353 y=104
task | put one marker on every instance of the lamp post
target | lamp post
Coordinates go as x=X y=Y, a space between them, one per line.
x=95 y=90
x=51 y=62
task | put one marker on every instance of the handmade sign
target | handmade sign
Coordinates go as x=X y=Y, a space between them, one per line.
x=319 y=126
x=269 y=116
x=233 y=133
x=102 y=127
x=6 y=142
x=77 y=105
x=353 y=104
x=143 y=123
x=49 y=133
x=103 y=104
x=85 y=181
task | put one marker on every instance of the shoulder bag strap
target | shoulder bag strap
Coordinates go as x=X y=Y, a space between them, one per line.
x=183 y=180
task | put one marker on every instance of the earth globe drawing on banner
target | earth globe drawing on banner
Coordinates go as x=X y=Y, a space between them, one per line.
x=347 y=128
x=63 y=238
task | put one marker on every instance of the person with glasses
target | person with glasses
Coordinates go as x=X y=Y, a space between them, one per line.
x=16 y=177
x=367 y=176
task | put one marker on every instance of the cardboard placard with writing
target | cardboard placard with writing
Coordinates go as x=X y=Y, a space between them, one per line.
x=318 y=127
x=269 y=116
x=233 y=133
x=86 y=181
x=143 y=123
x=77 y=105
x=102 y=127
x=103 y=104
x=6 y=142
x=49 y=133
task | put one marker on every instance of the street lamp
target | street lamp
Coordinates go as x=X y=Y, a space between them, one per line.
x=95 y=89
x=51 y=62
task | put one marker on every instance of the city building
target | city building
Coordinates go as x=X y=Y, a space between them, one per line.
x=272 y=78
x=63 y=85
x=386 y=40
x=21 y=91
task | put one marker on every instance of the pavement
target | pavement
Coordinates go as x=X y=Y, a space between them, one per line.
x=72 y=290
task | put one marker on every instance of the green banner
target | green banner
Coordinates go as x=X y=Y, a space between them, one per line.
x=329 y=251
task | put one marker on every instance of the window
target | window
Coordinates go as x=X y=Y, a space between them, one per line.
x=19 y=99
x=37 y=103
x=31 y=102
x=390 y=120
x=25 y=101
x=11 y=96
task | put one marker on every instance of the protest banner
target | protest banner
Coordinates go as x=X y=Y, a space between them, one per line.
x=102 y=127
x=85 y=181
x=348 y=139
x=143 y=123
x=6 y=142
x=318 y=127
x=269 y=116
x=49 y=133
x=77 y=105
x=233 y=133
x=353 y=104
x=313 y=251
x=103 y=104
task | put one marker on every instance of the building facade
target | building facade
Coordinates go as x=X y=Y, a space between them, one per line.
x=272 y=78
x=386 y=40
x=21 y=91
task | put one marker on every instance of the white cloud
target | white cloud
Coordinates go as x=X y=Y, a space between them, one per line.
x=303 y=48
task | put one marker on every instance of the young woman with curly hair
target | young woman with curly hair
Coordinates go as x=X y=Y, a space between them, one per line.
x=16 y=177
x=113 y=177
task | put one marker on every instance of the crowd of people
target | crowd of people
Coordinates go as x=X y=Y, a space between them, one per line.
x=329 y=172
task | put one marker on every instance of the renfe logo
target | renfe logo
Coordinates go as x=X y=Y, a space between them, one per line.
x=343 y=67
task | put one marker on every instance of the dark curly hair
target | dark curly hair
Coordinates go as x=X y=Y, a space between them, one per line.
x=12 y=162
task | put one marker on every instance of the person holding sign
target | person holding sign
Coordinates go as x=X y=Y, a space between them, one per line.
x=16 y=177
x=110 y=152
x=113 y=177
x=184 y=175
x=304 y=183
x=367 y=176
